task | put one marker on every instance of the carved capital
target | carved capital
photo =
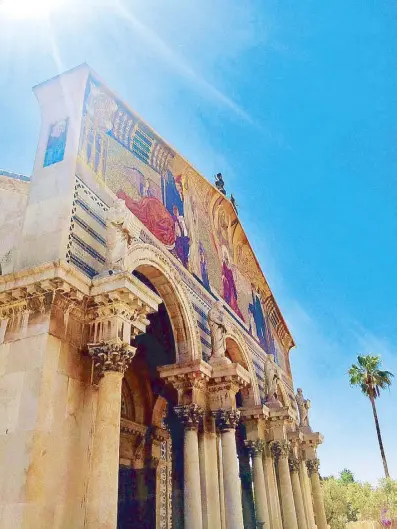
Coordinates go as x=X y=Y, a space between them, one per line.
x=255 y=448
x=189 y=415
x=293 y=463
x=111 y=356
x=313 y=466
x=226 y=419
x=280 y=449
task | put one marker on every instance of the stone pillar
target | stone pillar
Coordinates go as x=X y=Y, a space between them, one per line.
x=190 y=416
x=227 y=421
x=220 y=478
x=307 y=494
x=247 y=497
x=271 y=489
x=280 y=450
x=318 y=502
x=111 y=360
x=261 y=508
x=297 y=492
x=209 y=474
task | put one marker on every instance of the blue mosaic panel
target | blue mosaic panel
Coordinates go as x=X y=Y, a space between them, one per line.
x=56 y=142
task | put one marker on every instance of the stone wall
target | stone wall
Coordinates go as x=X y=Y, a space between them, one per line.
x=13 y=195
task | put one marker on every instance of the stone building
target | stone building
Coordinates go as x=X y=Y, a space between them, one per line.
x=144 y=363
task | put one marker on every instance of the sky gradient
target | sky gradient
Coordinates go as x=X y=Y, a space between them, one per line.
x=295 y=103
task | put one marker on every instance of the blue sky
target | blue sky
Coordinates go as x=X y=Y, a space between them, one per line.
x=295 y=103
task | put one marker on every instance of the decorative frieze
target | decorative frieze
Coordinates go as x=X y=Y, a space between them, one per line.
x=111 y=356
x=313 y=466
x=189 y=415
x=280 y=449
x=226 y=419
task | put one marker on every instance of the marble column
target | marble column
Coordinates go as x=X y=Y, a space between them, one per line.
x=261 y=508
x=318 y=502
x=297 y=492
x=280 y=450
x=307 y=494
x=271 y=489
x=247 y=496
x=190 y=416
x=111 y=362
x=227 y=421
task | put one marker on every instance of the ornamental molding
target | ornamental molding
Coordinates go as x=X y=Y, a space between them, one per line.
x=189 y=415
x=226 y=419
x=115 y=357
x=294 y=464
x=255 y=448
x=280 y=449
x=313 y=466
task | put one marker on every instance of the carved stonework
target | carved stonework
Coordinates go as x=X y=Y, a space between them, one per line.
x=280 y=449
x=189 y=416
x=218 y=331
x=255 y=448
x=293 y=463
x=226 y=419
x=111 y=357
x=313 y=466
x=303 y=407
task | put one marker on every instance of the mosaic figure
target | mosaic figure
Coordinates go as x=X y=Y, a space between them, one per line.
x=203 y=268
x=56 y=143
x=255 y=308
x=181 y=238
x=229 y=285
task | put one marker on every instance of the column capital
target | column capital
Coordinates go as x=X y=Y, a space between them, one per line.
x=294 y=464
x=313 y=466
x=226 y=419
x=255 y=448
x=108 y=356
x=189 y=415
x=280 y=449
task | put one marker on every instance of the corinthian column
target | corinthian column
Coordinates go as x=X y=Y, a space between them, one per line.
x=190 y=416
x=227 y=421
x=262 y=512
x=111 y=362
x=318 y=502
x=280 y=451
x=297 y=492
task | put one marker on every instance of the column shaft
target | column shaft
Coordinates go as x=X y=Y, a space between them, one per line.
x=262 y=513
x=271 y=491
x=307 y=495
x=281 y=451
x=297 y=493
x=104 y=480
x=231 y=481
x=209 y=480
x=318 y=502
x=192 y=492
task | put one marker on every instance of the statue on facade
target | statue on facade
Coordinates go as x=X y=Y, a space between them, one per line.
x=220 y=184
x=272 y=381
x=303 y=407
x=218 y=331
x=118 y=236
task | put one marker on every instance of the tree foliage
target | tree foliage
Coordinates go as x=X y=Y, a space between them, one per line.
x=347 y=500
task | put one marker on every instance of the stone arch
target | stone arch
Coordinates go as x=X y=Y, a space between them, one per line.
x=238 y=352
x=282 y=393
x=154 y=264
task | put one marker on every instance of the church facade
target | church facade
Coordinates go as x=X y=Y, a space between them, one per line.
x=145 y=379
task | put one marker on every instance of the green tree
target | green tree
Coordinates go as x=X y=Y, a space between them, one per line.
x=371 y=379
x=346 y=476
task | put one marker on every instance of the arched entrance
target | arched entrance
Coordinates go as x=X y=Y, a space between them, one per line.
x=151 y=437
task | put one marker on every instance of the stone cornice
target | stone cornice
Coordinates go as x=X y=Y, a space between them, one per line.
x=312 y=439
x=256 y=412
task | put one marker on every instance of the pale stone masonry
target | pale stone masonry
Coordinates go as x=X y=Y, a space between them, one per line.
x=122 y=404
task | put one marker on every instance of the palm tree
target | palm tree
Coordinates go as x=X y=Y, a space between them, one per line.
x=371 y=379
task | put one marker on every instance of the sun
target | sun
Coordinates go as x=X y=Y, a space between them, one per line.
x=29 y=9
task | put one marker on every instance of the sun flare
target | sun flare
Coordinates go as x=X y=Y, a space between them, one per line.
x=29 y=9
